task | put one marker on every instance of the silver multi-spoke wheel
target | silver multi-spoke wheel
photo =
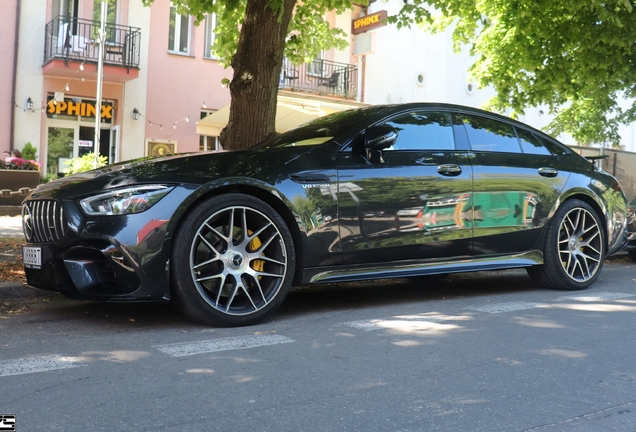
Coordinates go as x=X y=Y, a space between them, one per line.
x=238 y=260
x=232 y=262
x=574 y=248
x=580 y=244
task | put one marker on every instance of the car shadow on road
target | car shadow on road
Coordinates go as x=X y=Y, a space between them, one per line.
x=41 y=307
x=392 y=292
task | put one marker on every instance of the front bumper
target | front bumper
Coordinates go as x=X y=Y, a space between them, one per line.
x=113 y=258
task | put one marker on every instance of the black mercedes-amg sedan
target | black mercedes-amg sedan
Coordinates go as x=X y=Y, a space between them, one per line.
x=380 y=192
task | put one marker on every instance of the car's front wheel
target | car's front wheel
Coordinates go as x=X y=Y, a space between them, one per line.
x=574 y=249
x=232 y=261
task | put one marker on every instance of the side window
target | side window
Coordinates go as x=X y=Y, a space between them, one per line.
x=490 y=135
x=555 y=149
x=530 y=144
x=422 y=131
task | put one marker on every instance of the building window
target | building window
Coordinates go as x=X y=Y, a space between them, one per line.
x=208 y=143
x=210 y=26
x=111 y=11
x=110 y=19
x=179 y=37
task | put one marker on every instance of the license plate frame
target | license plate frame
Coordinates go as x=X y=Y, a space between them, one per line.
x=32 y=257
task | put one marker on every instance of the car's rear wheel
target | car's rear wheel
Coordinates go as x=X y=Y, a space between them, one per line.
x=232 y=262
x=574 y=249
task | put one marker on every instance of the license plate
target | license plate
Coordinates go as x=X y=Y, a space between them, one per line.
x=32 y=257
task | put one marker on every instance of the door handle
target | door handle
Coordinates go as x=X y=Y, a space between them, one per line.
x=548 y=172
x=449 y=170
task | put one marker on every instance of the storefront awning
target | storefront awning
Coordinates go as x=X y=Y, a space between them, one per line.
x=290 y=112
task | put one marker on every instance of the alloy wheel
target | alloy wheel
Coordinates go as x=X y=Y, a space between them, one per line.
x=580 y=244
x=238 y=260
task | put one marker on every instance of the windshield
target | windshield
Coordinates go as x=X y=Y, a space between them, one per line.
x=322 y=129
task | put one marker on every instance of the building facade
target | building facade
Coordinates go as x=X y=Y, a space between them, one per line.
x=154 y=88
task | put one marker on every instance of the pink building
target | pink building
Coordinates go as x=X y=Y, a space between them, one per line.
x=160 y=79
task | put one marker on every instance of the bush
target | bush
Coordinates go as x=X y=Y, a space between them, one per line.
x=85 y=163
x=48 y=178
x=29 y=152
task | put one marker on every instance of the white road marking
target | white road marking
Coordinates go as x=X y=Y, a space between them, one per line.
x=598 y=297
x=507 y=307
x=37 y=364
x=224 y=344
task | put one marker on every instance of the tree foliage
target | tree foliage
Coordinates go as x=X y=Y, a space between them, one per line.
x=576 y=57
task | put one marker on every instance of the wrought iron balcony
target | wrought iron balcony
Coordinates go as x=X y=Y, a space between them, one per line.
x=75 y=39
x=322 y=77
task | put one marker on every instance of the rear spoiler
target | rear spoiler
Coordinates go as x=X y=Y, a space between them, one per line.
x=593 y=158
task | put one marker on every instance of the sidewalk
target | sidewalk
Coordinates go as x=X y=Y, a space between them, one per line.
x=11 y=226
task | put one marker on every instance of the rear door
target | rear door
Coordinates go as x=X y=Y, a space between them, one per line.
x=517 y=182
x=410 y=203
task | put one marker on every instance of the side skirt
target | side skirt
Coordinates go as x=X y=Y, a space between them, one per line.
x=400 y=270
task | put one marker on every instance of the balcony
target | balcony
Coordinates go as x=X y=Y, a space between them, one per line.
x=73 y=40
x=321 y=77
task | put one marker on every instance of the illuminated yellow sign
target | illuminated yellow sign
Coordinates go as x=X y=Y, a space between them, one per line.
x=369 y=22
x=83 y=109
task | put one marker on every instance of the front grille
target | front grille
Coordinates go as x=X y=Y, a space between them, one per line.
x=43 y=221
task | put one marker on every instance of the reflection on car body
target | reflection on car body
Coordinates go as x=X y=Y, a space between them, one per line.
x=384 y=191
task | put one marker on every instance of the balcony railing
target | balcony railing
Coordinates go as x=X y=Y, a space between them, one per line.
x=75 y=39
x=322 y=77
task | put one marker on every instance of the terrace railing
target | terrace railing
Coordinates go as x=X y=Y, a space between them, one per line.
x=75 y=39
x=322 y=77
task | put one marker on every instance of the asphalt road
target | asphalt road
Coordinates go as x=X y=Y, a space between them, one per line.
x=475 y=352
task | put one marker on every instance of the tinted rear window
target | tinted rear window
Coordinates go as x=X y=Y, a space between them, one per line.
x=489 y=135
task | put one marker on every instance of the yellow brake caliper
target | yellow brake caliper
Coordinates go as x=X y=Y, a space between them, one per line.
x=258 y=265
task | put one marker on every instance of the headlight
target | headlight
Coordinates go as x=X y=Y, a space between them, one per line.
x=124 y=201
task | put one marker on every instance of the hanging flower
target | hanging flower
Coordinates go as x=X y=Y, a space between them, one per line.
x=20 y=164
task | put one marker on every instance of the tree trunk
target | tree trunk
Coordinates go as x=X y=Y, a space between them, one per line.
x=257 y=65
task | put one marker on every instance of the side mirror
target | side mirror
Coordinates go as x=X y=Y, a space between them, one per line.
x=379 y=138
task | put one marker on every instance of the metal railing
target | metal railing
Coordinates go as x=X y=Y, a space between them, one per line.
x=322 y=77
x=76 y=39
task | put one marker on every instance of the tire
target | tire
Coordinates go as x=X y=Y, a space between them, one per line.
x=574 y=249
x=231 y=277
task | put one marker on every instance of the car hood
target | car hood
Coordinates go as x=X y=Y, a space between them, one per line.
x=269 y=166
